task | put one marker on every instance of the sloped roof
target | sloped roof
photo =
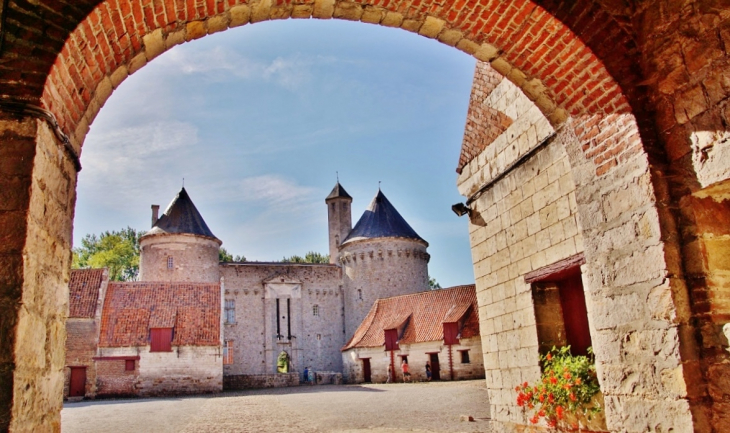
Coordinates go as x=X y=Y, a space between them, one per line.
x=381 y=220
x=428 y=311
x=181 y=216
x=338 y=192
x=131 y=309
x=83 y=292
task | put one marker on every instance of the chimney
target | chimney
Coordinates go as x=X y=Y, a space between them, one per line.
x=155 y=212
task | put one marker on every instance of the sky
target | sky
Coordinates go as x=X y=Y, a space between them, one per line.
x=258 y=120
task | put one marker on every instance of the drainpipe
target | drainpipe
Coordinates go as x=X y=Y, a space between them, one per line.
x=392 y=366
x=451 y=364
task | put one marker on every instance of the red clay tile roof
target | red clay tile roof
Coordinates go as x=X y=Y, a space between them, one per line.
x=425 y=313
x=131 y=309
x=83 y=292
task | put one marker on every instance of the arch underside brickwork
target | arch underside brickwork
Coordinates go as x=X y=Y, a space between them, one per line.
x=638 y=96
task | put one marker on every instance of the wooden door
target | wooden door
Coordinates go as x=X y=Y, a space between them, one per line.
x=575 y=314
x=366 y=370
x=435 y=371
x=78 y=382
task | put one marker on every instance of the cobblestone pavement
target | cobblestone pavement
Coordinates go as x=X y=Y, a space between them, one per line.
x=391 y=408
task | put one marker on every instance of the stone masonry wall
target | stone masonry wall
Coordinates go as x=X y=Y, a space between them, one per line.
x=529 y=221
x=37 y=184
x=258 y=381
x=380 y=268
x=418 y=355
x=636 y=300
x=195 y=258
x=318 y=338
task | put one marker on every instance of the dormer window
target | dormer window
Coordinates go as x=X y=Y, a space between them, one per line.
x=169 y=262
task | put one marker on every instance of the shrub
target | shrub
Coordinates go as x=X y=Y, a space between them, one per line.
x=565 y=391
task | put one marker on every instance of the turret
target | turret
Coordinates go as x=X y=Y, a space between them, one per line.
x=180 y=246
x=381 y=257
x=339 y=218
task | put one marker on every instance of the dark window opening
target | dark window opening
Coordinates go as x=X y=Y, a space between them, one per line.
x=464 y=356
x=560 y=312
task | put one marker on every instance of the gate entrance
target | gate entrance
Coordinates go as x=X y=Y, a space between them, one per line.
x=366 y=370
x=434 y=358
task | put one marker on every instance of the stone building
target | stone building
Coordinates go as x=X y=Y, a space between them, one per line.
x=440 y=327
x=226 y=324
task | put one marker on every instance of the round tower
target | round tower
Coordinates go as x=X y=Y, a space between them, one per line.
x=180 y=246
x=381 y=257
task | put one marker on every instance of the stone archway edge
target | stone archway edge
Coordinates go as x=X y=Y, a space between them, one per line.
x=22 y=109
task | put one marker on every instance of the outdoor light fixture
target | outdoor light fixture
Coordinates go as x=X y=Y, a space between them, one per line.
x=460 y=209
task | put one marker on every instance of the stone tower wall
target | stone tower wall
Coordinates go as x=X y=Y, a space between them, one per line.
x=380 y=268
x=339 y=219
x=194 y=258
x=318 y=338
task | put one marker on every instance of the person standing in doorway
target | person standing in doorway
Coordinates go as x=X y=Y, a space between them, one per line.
x=406 y=373
x=428 y=371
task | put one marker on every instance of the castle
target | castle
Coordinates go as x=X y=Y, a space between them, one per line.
x=194 y=324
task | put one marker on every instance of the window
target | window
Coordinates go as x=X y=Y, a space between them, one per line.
x=560 y=307
x=451 y=333
x=230 y=311
x=464 y=356
x=129 y=365
x=161 y=340
x=359 y=294
x=169 y=262
x=404 y=358
x=319 y=336
x=391 y=339
x=228 y=352
x=315 y=310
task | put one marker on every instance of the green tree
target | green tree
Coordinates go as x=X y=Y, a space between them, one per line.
x=433 y=284
x=225 y=256
x=310 y=257
x=116 y=250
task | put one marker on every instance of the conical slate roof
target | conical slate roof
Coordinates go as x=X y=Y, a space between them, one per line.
x=382 y=220
x=338 y=192
x=181 y=216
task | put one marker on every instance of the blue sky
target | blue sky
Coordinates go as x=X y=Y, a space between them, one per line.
x=258 y=119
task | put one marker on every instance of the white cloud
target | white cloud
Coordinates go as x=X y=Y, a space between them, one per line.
x=224 y=64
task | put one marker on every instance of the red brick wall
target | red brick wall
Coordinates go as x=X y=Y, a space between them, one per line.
x=114 y=380
x=80 y=350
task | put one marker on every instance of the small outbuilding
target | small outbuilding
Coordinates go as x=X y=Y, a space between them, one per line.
x=439 y=328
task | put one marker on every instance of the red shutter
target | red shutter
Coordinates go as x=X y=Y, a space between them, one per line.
x=451 y=332
x=161 y=340
x=391 y=339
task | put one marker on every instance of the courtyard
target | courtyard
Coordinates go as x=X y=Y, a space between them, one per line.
x=412 y=407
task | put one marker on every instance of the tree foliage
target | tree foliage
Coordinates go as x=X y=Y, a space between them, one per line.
x=433 y=284
x=116 y=250
x=310 y=257
x=225 y=256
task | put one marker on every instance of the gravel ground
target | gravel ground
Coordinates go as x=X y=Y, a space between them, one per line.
x=391 y=408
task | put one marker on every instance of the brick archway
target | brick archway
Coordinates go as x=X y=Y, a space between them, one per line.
x=597 y=71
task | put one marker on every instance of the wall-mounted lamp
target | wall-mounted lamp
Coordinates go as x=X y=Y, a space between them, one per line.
x=460 y=209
